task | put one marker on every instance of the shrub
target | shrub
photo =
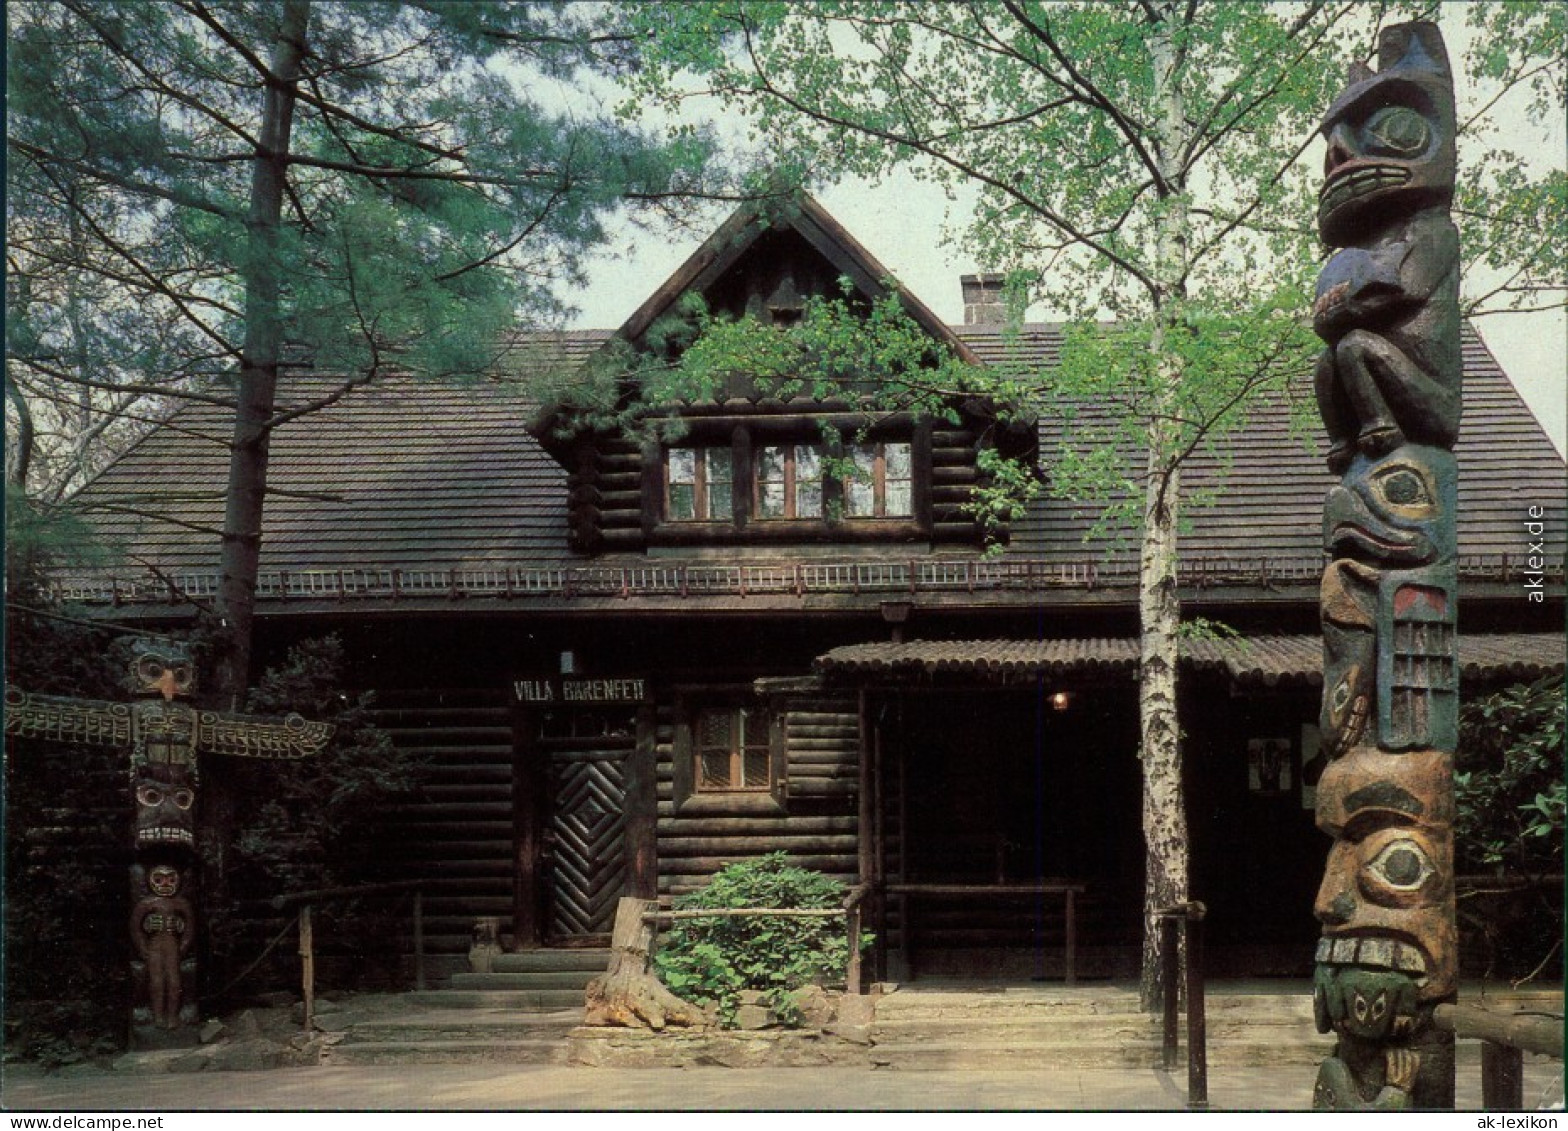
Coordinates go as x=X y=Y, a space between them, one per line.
x=67 y=832
x=314 y=823
x=1510 y=797
x=710 y=961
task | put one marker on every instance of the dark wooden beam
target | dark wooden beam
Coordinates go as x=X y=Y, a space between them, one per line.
x=642 y=810
x=530 y=814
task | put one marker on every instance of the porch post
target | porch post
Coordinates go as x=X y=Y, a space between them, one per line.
x=642 y=812
x=529 y=816
x=867 y=841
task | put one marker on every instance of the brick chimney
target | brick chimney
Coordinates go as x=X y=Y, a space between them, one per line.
x=983 y=301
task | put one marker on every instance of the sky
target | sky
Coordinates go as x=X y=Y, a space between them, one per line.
x=902 y=221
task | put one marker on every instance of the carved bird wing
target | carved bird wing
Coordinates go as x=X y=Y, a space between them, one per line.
x=62 y=719
x=249 y=736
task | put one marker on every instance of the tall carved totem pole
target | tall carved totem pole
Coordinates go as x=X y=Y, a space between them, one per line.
x=164 y=737
x=1388 y=387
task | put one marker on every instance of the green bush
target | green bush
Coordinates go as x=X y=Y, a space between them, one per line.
x=1510 y=797
x=710 y=961
x=314 y=823
x=66 y=853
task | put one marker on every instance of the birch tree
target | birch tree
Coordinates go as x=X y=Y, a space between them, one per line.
x=1149 y=161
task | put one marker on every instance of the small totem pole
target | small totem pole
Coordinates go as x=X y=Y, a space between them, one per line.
x=1388 y=387
x=164 y=738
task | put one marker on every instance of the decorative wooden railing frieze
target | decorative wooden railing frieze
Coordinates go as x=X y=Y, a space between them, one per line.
x=566 y=581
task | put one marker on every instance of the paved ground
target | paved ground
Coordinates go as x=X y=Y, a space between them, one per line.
x=432 y=1087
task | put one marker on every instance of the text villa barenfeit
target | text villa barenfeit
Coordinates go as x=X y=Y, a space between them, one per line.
x=557 y=689
x=1535 y=556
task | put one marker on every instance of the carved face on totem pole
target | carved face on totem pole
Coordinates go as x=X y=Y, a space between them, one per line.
x=165 y=806
x=161 y=667
x=1394 y=510
x=1383 y=901
x=163 y=761
x=1388 y=385
x=1390 y=137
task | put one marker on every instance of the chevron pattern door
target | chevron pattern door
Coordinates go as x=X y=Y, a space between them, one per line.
x=588 y=831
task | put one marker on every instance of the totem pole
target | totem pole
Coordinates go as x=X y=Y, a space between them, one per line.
x=164 y=738
x=1388 y=387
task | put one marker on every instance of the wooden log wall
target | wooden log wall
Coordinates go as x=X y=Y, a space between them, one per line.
x=818 y=827
x=605 y=495
x=457 y=833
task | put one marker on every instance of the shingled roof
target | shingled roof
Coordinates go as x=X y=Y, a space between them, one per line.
x=436 y=487
x=1266 y=660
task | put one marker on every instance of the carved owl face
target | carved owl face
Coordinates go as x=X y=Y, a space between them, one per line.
x=1390 y=136
x=161 y=667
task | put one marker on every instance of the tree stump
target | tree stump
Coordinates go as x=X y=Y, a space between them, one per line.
x=627 y=994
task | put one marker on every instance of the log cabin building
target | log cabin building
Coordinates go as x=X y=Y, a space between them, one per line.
x=627 y=661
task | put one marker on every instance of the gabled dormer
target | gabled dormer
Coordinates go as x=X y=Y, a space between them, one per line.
x=745 y=466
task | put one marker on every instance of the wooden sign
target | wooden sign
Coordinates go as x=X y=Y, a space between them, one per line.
x=578 y=691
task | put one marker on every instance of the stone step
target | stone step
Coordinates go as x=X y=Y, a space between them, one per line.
x=524 y=1051
x=1025 y=1004
x=1019 y=1004
x=465 y=1025
x=1080 y=1027
x=999 y=1029
x=591 y=959
x=1015 y=1055
x=542 y=1000
x=538 y=980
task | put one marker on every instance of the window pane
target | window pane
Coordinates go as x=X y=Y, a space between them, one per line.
x=770 y=500
x=713 y=729
x=808 y=482
x=859 y=498
x=683 y=501
x=860 y=488
x=808 y=499
x=718 y=461
x=713 y=769
x=770 y=466
x=719 y=504
x=756 y=770
x=898 y=499
x=897 y=456
x=808 y=463
x=683 y=465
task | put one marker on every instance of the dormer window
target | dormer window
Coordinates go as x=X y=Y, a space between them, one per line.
x=788 y=482
x=882 y=484
x=699 y=485
x=781 y=480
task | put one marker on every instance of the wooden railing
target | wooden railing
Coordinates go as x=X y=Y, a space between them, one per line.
x=1505 y=1038
x=306 y=902
x=568 y=580
x=1069 y=890
x=1185 y=918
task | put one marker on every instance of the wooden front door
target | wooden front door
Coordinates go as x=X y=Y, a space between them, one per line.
x=585 y=858
x=584 y=818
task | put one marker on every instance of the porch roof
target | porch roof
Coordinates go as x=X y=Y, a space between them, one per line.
x=1262 y=660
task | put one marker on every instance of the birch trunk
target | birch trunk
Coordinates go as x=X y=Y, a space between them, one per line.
x=1159 y=604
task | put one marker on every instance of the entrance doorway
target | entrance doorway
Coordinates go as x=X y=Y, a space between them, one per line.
x=1004 y=789
x=584 y=859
